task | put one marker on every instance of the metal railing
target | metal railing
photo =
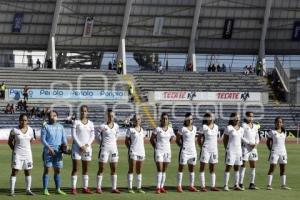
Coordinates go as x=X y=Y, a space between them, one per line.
x=282 y=74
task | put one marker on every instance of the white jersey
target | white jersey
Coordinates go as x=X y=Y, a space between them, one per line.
x=235 y=139
x=188 y=140
x=108 y=136
x=278 y=142
x=250 y=136
x=210 y=138
x=137 y=141
x=83 y=134
x=163 y=139
x=22 y=146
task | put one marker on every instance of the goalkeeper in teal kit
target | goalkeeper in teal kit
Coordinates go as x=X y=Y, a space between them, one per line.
x=54 y=139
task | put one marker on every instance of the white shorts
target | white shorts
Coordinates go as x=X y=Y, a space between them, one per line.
x=21 y=163
x=85 y=156
x=233 y=158
x=208 y=157
x=108 y=155
x=250 y=155
x=187 y=158
x=160 y=156
x=278 y=158
x=136 y=157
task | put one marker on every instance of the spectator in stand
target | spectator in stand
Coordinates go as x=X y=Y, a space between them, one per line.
x=209 y=69
x=251 y=69
x=2 y=90
x=110 y=66
x=259 y=68
x=120 y=66
x=38 y=63
x=223 y=68
x=246 y=70
x=25 y=107
x=160 y=69
x=20 y=105
x=12 y=108
x=25 y=92
x=189 y=67
x=7 y=109
x=213 y=68
x=218 y=68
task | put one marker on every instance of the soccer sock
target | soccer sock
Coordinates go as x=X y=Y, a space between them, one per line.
x=129 y=180
x=139 y=181
x=85 y=181
x=226 y=178
x=73 y=182
x=158 y=178
x=179 y=178
x=236 y=177
x=57 y=181
x=13 y=180
x=28 y=181
x=213 y=179
x=163 y=179
x=99 y=181
x=270 y=178
x=283 y=180
x=45 y=181
x=114 y=179
x=242 y=175
x=192 y=179
x=202 y=179
x=252 y=175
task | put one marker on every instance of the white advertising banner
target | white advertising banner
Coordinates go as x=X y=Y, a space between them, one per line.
x=88 y=27
x=207 y=96
x=158 y=26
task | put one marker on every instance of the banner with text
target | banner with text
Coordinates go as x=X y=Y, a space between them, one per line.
x=88 y=27
x=207 y=96
x=58 y=94
x=17 y=22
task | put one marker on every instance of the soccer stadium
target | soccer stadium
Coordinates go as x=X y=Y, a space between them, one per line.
x=150 y=99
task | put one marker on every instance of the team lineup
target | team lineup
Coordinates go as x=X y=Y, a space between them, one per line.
x=240 y=141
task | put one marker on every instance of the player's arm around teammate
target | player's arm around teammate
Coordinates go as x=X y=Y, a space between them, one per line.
x=232 y=140
x=250 y=141
x=53 y=138
x=278 y=155
x=186 y=139
x=136 y=153
x=161 y=140
x=108 y=152
x=19 y=142
x=208 y=142
x=83 y=135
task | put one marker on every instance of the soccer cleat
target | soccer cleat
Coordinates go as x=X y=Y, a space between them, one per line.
x=284 y=187
x=131 y=191
x=46 y=192
x=203 y=189
x=237 y=188
x=252 y=186
x=242 y=187
x=60 y=192
x=140 y=191
x=29 y=192
x=12 y=194
x=73 y=191
x=163 y=190
x=157 y=191
x=115 y=191
x=99 y=191
x=269 y=187
x=179 y=189
x=193 y=189
x=86 y=191
x=214 y=189
x=226 y=188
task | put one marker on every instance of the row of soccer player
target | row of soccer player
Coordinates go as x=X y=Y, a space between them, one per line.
x=240 y=143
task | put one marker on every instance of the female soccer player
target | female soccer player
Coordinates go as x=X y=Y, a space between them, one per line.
x=161 y=139
x=232 y=140
x=278 y=154
x=136 y=153
x=53 y=137
x=83 y=135
x=188 y=153
x=19 y=142
x=250 y=141
x=208 y=142
x=107 y=139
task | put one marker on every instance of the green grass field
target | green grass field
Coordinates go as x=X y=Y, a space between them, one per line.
x=149 y=174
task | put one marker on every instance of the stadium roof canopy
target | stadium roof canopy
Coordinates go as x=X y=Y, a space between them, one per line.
x=171 y=20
